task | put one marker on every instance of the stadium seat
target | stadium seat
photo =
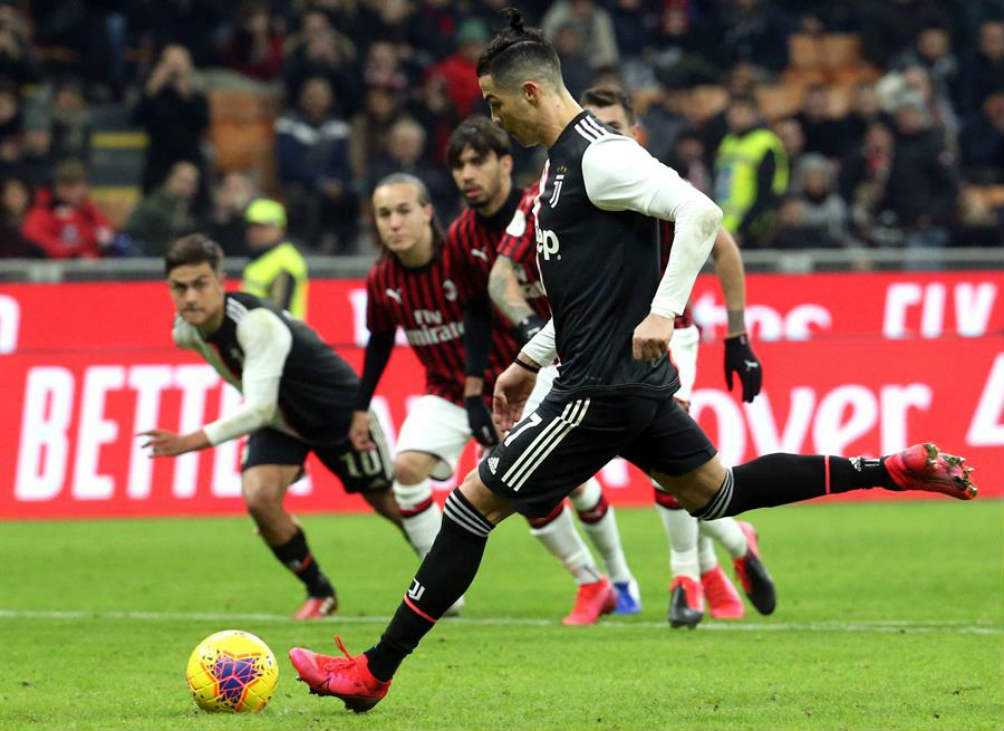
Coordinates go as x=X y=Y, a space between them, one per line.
x=778 y=100
x=840 y=50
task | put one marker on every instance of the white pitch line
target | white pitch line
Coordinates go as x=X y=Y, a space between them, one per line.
x=882 y=626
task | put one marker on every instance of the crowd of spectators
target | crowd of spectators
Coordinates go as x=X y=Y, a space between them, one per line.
x=907 y=150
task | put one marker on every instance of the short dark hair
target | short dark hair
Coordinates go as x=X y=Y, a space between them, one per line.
x=609 y=96
x=193 y=249
x=515 y=50
x=481 y=135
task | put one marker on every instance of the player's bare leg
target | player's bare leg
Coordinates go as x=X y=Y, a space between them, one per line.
x=599 y=520
x=384 y=505
x=264 y=487
x=471 y=512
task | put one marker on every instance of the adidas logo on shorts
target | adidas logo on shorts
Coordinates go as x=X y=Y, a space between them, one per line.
x=493 y=464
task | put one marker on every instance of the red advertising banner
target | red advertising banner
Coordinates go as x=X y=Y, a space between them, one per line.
x=857 y=363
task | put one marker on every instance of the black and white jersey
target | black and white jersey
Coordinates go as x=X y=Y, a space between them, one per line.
x=290 y=378
x=600 y=266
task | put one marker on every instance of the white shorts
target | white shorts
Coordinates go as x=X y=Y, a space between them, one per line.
x=683 y=351
x=437 y=427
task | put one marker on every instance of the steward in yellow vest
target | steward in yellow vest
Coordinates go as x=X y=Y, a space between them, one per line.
x=278 y=271
x=751 y=172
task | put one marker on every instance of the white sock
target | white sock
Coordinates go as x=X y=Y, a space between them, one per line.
x=727 y=532
x=602 y=533
x=422 y=527
x=681 y=530
x=706 y=557
x=565 y=544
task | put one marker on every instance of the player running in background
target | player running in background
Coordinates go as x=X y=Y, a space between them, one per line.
x=479 y=156
x=611 y=326
x=692 y=560
x=297 y=399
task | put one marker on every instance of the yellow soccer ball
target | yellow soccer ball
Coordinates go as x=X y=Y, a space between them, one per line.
x=232 y=671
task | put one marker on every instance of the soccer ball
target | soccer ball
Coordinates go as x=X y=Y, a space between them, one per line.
x=232 y=671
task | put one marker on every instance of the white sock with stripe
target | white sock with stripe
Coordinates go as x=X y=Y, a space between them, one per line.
x=681 y=532
x=564 y=543
x=707 y=559
x=727 y=532
x=420 y=515
x=600 y=523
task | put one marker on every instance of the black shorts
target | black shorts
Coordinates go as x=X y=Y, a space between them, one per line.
x=371 y=471
x=567 y=440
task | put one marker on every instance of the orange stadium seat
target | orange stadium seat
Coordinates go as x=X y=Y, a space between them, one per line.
x=778 y=100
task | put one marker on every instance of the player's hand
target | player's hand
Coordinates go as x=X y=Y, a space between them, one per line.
x=651 y=337
x=359 y=432
x=740 y=359
x=480 y=421
x=168 y=444
x=512 y=389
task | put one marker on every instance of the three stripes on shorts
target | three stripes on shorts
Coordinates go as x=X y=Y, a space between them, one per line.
x=544 y=443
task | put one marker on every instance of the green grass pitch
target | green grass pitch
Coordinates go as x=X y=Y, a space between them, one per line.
x=890 y=616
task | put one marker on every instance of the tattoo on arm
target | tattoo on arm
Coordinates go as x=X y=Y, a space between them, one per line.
x=504 y=289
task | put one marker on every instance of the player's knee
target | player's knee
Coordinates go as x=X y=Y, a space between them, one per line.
x=262 y=496
x=490 y=505
x=409 y=497
x=411 y=469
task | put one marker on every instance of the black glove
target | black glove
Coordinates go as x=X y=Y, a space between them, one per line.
x=527 y=328
x=479 y=419
x=739 y=357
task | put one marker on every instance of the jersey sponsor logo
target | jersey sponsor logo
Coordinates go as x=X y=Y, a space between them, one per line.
x=556 y=193
x=547 y=243
x=433 y=335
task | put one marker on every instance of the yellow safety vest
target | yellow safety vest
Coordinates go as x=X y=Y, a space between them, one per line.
x=262 y=278
x=736 y=165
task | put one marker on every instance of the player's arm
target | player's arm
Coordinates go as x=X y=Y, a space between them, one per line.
x=477 y=346
x=619 y=174
x=266 y=342
x=378 y=349
x=739 y=356
x=507 y=295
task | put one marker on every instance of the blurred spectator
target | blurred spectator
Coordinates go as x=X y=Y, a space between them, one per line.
x=789 y=131
x=460 y=68
x=383 y=67
x=17 y=57
x=938 y=106
x=982 y=143
x=864 y=112
x=437 y=115
x=824 y=212
x=406 y=154
x=595 y=27
x=312 y=155
x=277 y=271
x=166 y=214
x=575 y=69
x=889 y=27
x=665 y=122
x=740 y=83
x=635 y=23
x=435 y=23
x=11 y=124
x=932 y=51
x=679 y=49
x=823 y=134
x=755 y=33
x=174 y=114
x=984 y=71
x=255 y=46
x=225 y=225
x=321 y=51
x=14 y=200
x=751 y=173
x=64 y=221
x=688 y=159
x=921 y=188
x=864 y=172
x=70 y=125
x=370 y=127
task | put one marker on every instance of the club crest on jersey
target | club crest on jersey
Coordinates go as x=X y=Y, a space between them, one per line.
x=449 y=290
x=559 y=180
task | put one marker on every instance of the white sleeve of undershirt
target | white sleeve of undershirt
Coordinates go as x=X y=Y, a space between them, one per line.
x=266 y=342
x=540 y=348
x=619 y=174
x=184 y=335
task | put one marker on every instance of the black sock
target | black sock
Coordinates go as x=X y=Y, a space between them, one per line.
x=778 y=479
x=295 y=555
x=447 y=571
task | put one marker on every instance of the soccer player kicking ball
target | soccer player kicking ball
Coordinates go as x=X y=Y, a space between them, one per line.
x=693 y=563
x=298 y=397
x=611 y=325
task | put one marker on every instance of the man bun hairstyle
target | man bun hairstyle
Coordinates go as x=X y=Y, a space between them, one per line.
x=480 y=134
x=609 y=96
x=517 y=53
x=193 y=249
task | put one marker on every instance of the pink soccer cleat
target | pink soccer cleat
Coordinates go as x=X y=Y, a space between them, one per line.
x=593 y=599
x=724 y=601
x=924 y=467
x=317 y=607
x=348 y=678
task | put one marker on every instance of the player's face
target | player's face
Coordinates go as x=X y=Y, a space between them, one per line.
x=197 y=292
x=615 y=116
x=401 y=220
x=481 y=178
x=512 y=109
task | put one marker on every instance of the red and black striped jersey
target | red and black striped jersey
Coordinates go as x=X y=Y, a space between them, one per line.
x=666 y=232
x=519 y=244
x=479 y=236
x=428 y=304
